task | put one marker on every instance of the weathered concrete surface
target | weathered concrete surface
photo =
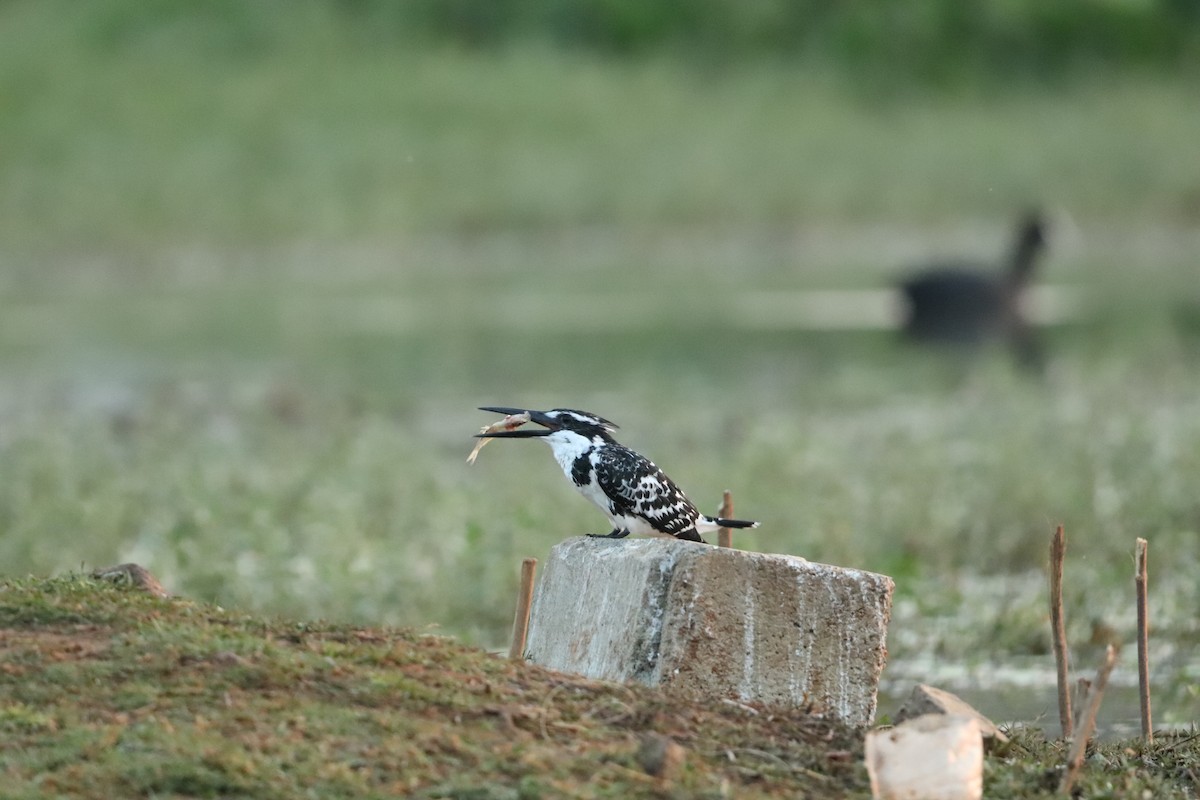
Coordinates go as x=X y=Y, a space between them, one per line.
x=714 y=623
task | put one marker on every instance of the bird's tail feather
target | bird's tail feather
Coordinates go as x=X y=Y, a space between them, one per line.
x=732 y=523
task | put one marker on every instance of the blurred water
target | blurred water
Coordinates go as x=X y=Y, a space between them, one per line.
x=1023 y=693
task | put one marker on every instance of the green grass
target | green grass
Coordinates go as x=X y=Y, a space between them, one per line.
x=108 y=692
x=321 y=490
x=151 y=130
x=201 y=702
x=255 y=280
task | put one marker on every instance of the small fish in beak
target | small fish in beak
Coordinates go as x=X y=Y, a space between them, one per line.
x=510 y=423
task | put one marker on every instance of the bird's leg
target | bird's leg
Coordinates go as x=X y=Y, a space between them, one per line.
x=615 y=533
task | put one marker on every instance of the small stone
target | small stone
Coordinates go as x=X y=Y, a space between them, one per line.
x=926 y=699
x=660 y=757
x=135 y=575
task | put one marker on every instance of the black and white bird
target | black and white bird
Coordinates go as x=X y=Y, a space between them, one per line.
x=635 y=495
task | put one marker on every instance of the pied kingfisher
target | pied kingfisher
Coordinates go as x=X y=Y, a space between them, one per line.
x=635 y=495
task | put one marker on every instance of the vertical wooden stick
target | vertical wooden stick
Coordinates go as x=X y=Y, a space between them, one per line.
x=1058 y=551
x=1143 y=636
x=724 y=535
x=1087 y=723
x=524 y=603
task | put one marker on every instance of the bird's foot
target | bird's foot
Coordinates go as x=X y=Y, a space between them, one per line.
x=615 y=533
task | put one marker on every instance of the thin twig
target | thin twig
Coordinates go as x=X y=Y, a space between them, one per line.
x=740 y=706
x=1087 y=723
x=1083 y=688
x=1143 y=636
x=1181 y=742
x=724 y=535
x=1058 y=551
x=524 y=604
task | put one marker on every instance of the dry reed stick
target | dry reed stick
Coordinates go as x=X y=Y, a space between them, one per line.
x=1083 y=686
x=524 y=604
x=1087 y=723
x=1143 y=636
x=1058 y=551
x=724 y=535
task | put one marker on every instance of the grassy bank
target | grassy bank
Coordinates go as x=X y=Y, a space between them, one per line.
x=108 y=692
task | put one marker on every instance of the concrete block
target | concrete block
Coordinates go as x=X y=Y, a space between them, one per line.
x=933 y=757
x=714 y=623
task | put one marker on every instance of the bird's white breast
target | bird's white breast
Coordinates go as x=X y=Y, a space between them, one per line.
x=567 y=447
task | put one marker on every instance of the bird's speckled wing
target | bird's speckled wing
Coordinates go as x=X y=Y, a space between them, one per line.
x=636 y=487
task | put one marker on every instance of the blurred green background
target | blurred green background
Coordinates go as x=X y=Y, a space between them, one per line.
x=260 y=261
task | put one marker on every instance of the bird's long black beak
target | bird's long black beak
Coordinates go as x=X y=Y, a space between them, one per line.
x=507 y=411
x=517 y=434
x=534 y=416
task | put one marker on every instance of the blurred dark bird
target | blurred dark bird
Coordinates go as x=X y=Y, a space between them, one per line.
x=968 y=304
x=635 y=495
